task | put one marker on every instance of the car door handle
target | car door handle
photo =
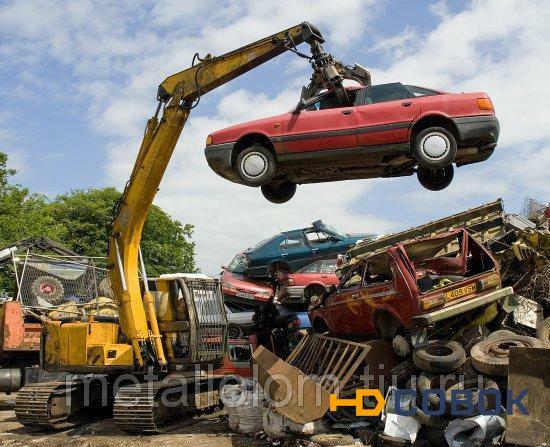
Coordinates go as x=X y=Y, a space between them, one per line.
x=406 y=104
x=346 y=112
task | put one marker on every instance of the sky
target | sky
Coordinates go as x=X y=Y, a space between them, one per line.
x=78 y=81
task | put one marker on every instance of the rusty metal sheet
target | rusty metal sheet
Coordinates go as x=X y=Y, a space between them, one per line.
x=530 y=369
x=317 y=367
x=15 y=334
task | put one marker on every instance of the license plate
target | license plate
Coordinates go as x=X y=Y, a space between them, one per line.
x=248 y=296
x=459 y=293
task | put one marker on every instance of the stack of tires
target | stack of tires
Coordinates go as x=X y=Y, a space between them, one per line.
x=441 y=369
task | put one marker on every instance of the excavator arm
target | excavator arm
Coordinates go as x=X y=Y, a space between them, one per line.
x=177 y=95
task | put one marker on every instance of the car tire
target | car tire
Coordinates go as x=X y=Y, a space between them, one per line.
x=493 y=355
x=434 y=148
x=440 y=357
x=435 y=179
x=427 y=381
x=387 y=441
x=543 y=332
x=256 y=165
x=235 y=331
x=279 y=192
x=437 y=422
x=473 y=386
x=332 y=439
x=48 y=288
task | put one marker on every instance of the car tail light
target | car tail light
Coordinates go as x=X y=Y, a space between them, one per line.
x=209 y=140
x=432 y=301
x=485 y=104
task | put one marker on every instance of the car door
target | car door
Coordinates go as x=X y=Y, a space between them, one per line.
x=322 y=246
x=378 y=290
x=384 y=114
x=321 y=125
x=294 y=250
x=345 y=311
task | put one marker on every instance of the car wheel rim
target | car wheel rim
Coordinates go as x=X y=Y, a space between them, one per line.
x=435 y=146
x=254 y=165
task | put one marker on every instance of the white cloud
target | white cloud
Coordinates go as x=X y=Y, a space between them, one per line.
x=119 y=52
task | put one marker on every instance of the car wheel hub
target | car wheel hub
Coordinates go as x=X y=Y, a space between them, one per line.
x=254 y=165
x=435 y=146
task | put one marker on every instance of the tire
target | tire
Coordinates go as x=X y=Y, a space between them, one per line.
x=332 y=439
x=492 y=355
x=500 y=333
x=427 y=420
x=440 y=357
x=473 y=386
x=49 y=289
x=427 y=381
x=235 y=331
x=279 y=192
x=256 y=165
x=385 y=440
x=435 y=180
x=434 y=148
x=543 y=332
x=401 y=346
x=312 y=291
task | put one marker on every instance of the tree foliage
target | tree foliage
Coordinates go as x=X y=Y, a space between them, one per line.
x=80 y=220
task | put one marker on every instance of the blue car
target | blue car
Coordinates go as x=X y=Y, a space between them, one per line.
x=291 y=250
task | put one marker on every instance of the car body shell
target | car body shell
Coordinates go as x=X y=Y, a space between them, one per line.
x=357 y=310
x=295 y=249
x=365 y=140
x=292 y=286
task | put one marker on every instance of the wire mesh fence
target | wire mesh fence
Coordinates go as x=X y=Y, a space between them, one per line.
x=47 y=281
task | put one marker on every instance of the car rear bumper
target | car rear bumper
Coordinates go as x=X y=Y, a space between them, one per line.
x=218 y=157
x=484 y=128
x=460 y=308
x=291 y=294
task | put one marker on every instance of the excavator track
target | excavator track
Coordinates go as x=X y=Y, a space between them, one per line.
x=41 y=405
x=151 y=407
x=55 y=405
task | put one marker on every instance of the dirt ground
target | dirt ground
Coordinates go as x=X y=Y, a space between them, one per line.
x=209 y=431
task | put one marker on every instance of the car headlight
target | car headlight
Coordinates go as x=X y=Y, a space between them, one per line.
x=209 y=140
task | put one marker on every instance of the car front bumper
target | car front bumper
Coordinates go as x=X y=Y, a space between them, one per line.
x=484 y=128
x=218 y=157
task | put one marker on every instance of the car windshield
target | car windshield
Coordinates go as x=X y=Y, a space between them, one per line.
x=330 y=229
x=238 y=264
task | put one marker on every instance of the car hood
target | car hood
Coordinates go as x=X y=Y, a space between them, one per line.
x=248 y=124
x=244 y=282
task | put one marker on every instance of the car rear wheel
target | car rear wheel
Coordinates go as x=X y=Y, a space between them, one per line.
x=235 y=331
x=435 y=179
x=279 y=192
x=434 y=148
x=256 y=165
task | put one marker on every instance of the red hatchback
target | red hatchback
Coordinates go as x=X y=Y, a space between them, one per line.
x=389 y=130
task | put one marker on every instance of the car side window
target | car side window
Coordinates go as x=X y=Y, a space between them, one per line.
x=378 y=271
x=385 y=93
x=291 y=242
x=311 y=268
x=328 y=266
x=330 y=101
x=353 y=279
x=315 y=237
x=421 y=91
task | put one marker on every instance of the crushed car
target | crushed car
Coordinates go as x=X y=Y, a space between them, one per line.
x=417 y=284
x=294 y=249
x=389 y=130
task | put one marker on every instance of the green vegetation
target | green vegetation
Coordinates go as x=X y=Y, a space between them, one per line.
x=80 y=221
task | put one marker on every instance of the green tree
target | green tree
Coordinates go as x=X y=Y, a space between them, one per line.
x=86 y=216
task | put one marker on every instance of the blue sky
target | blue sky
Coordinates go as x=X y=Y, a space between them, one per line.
x=78 y=81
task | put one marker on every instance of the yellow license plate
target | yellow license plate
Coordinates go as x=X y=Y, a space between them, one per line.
x=459 y=293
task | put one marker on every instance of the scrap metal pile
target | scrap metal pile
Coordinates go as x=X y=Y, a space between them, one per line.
x=482 y=383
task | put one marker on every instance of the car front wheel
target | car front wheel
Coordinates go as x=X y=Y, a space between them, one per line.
x=434 y=148
x=435 y=179
x=256 y=165
x=279 y=192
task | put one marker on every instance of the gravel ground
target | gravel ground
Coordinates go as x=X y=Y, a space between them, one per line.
x=208 y=431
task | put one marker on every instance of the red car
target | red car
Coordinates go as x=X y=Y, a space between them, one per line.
x=425 y=283
x=241 y=291
x=313 y=279
x=389 y=130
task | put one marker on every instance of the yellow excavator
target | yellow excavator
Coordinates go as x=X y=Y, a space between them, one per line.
x=167 y=326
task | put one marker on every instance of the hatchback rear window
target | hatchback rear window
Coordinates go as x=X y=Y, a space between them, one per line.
x=421 y=91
